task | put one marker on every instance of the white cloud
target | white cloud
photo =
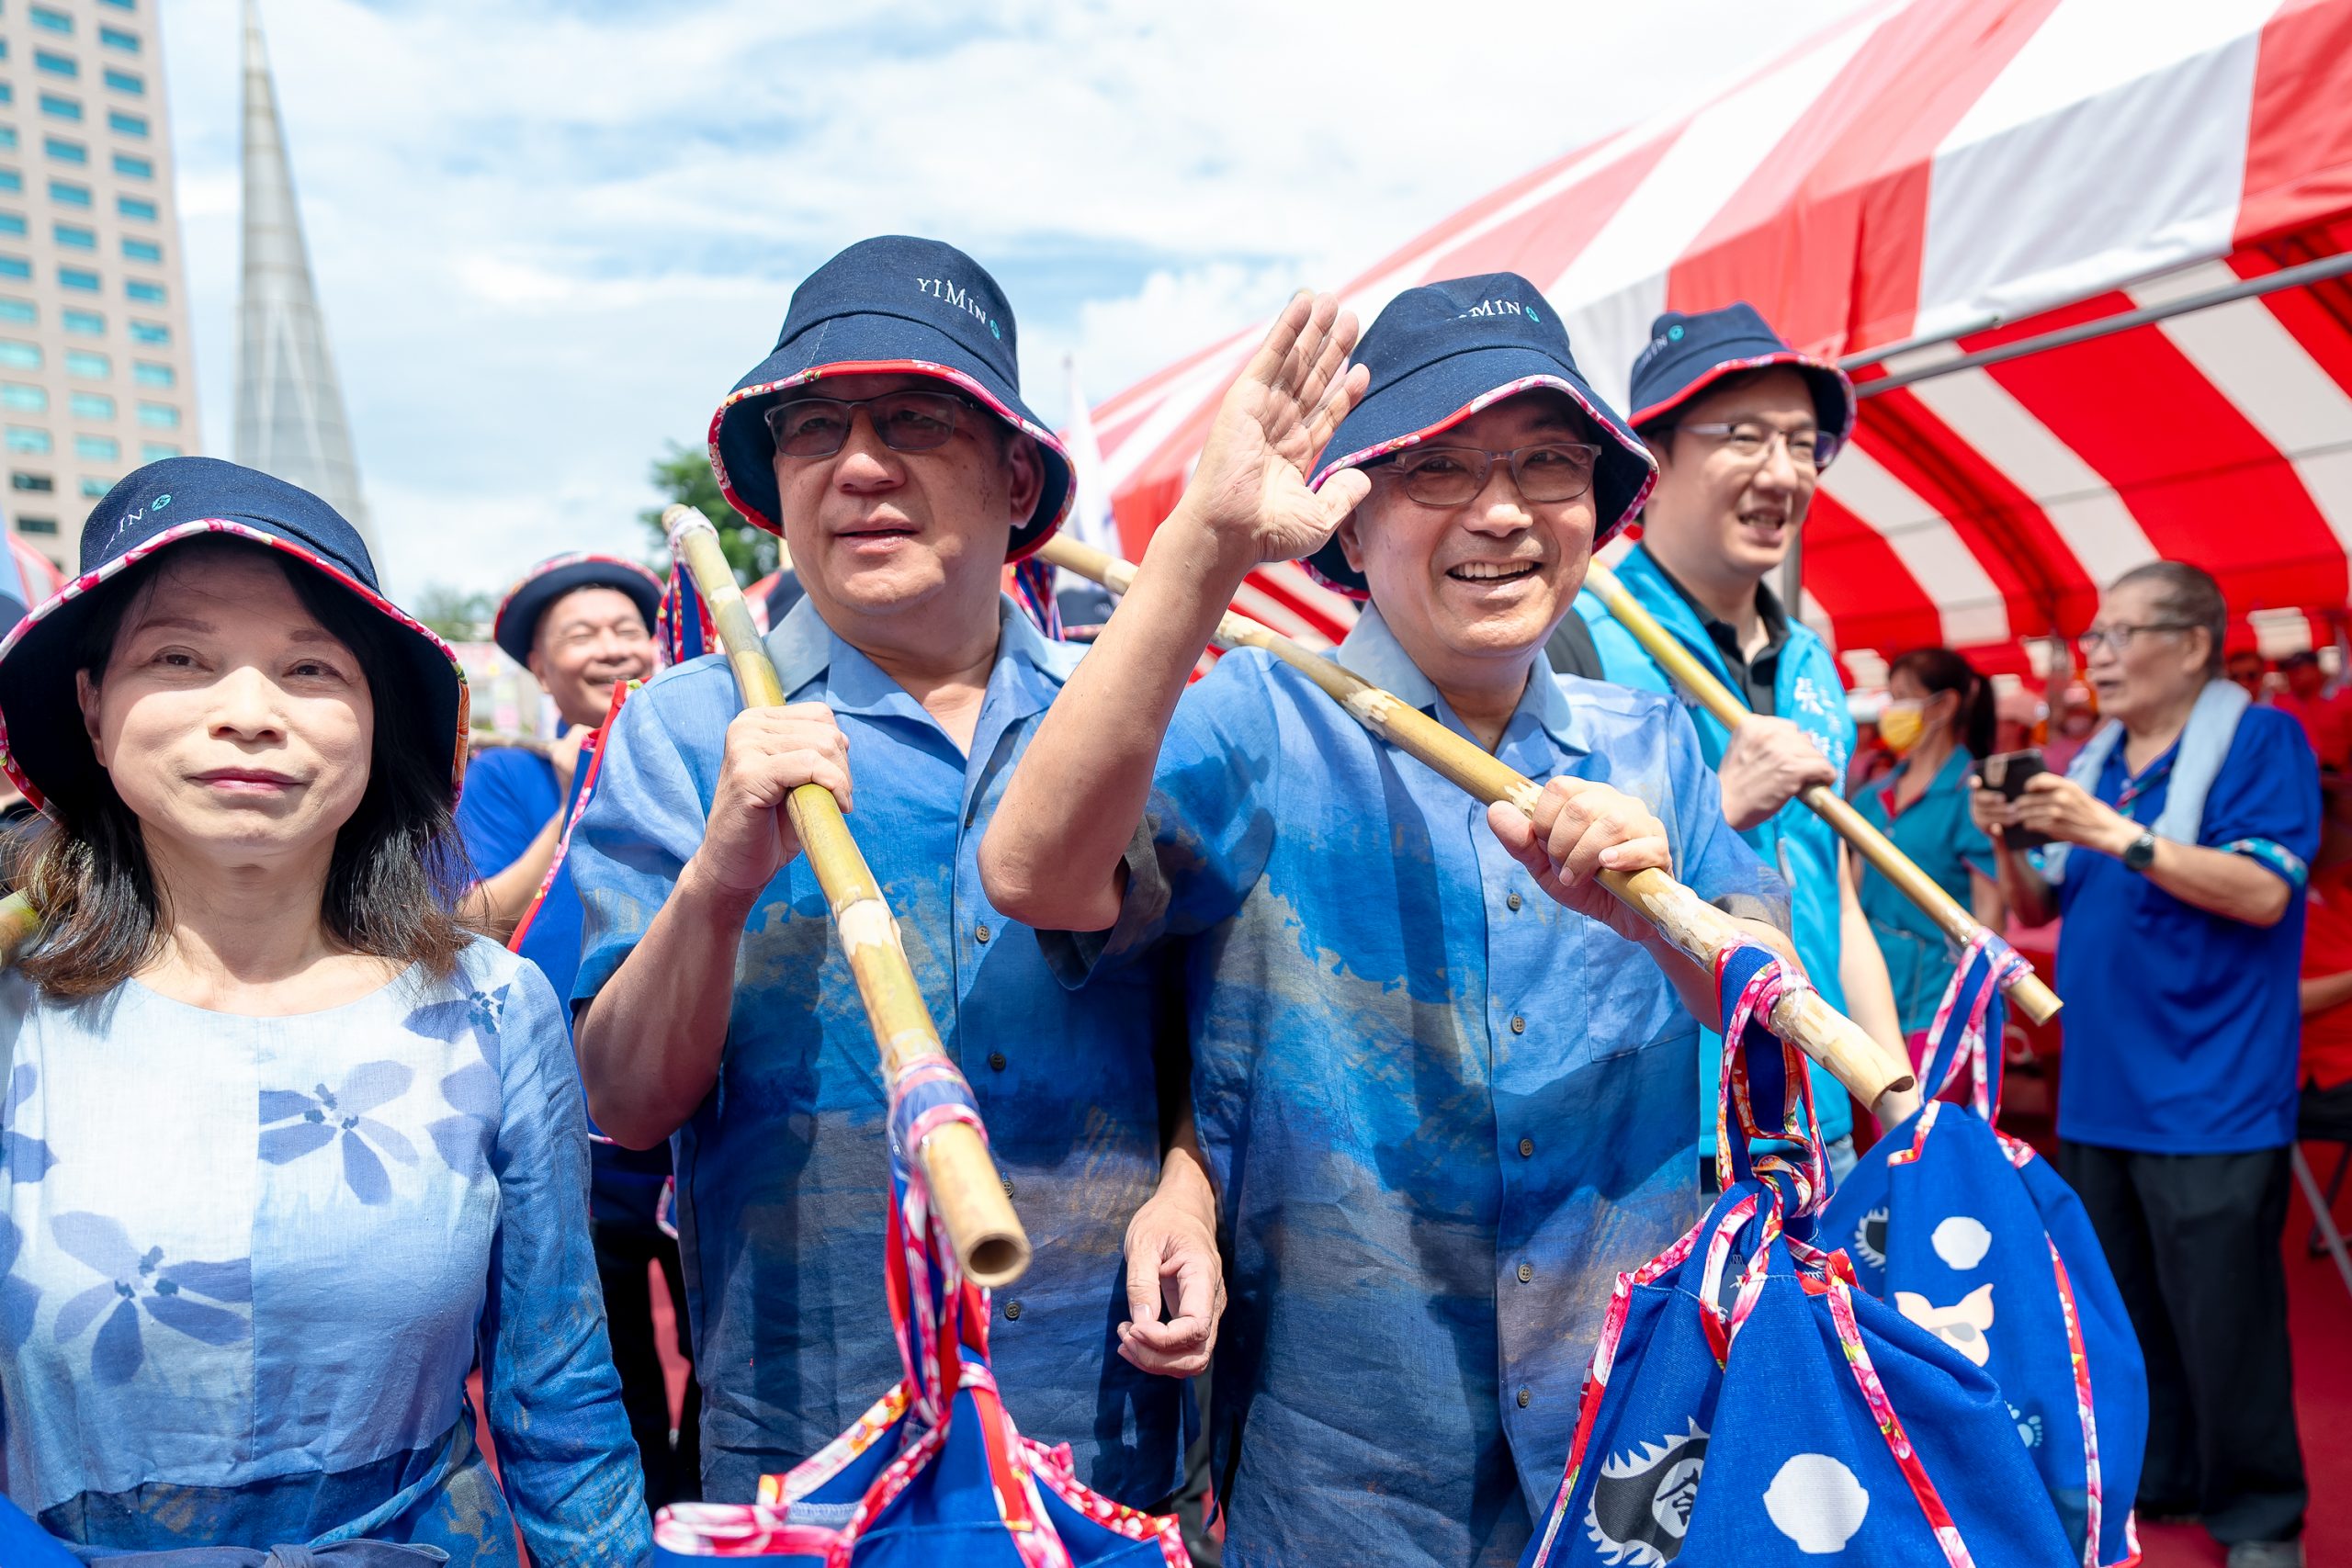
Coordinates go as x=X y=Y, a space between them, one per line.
x=549 y=237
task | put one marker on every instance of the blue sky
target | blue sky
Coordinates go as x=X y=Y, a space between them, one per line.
x=549 y=237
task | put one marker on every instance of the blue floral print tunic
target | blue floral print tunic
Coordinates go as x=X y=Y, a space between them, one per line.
x=247 y=1264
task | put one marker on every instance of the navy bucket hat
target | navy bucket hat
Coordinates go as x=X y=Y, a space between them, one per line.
x=43 y=744
x=889 y=306
x=1688 y=353
x=1441 y=353
x=517 y=625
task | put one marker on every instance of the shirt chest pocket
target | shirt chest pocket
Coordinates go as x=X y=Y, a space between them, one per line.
x=1632 y=1009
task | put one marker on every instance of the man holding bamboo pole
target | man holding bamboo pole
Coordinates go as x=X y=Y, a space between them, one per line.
x=885 y=438
x=1741 y=426
x=1442 y=1076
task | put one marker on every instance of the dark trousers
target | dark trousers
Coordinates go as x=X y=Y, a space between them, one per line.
x=2194 y=1241
x=623 y=1251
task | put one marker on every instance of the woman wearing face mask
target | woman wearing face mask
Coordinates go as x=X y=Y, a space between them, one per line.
x=1938 y=722
x=2181 y=837
x=287 y=1150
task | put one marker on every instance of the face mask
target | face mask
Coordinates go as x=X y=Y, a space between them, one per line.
x=1900 y=725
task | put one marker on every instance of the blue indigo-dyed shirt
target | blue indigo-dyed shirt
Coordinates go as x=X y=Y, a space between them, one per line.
x=1441 y=1111
x=1942 y=839
x=782 y=1172
x=2182 y=1026
x=510 y=794
x=1801 y=847
x=246 y=1263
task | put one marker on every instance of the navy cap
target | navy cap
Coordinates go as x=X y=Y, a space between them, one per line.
x=517 y=625
x=1441 y=353
x=1688 y=353
x=889 y=306
x=42 y=742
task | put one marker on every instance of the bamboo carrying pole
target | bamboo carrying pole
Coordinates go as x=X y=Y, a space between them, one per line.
x=1693 y=925
x=965 y=1191
x=2026 y=990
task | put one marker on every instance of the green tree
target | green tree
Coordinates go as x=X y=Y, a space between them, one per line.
x=455 y=613
x=684 y=475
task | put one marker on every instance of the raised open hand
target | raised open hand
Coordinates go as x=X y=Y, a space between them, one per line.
x=1249 y=489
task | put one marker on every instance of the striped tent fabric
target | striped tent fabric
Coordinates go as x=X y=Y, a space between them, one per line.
x=1919 y=185
x=26 y=575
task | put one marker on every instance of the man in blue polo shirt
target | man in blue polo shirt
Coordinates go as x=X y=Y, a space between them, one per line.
x=2183 y=833
x=886 y=439
x=1742 y=426
x=1443 y=1079
x=581 y=624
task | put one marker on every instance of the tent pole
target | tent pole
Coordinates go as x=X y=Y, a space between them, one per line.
x=2083 y=332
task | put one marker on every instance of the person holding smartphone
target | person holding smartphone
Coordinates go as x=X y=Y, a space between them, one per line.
x=2180 y=839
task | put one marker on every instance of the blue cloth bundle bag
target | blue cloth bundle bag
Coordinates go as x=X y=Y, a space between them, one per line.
x=1749 y=1405
x=1972 y=1237
x=934 y=1474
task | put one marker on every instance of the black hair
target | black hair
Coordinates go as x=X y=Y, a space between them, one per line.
x=398 y=865
x=2187 y=594
x=1940 y=669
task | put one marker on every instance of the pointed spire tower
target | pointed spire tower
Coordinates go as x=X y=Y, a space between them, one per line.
x=289 y=407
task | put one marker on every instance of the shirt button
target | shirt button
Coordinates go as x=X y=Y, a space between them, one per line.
x=1008 y=1185
x=996 y=1060
x=1526 y=1276
x=1012 y=1309
x=1518 y=1024
x=980 y=932
x=1527 y=1148
x=1524 y=1395
x=1513 y=901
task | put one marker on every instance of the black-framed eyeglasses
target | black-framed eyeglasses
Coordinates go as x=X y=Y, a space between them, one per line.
x=1751 y=442
x=1449 y=476
x=907 y=421
x=2118 y=637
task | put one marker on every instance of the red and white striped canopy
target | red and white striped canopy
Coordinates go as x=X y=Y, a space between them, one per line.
x=1920 y=183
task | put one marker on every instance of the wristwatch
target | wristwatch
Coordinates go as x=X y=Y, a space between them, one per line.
x=2140 y=853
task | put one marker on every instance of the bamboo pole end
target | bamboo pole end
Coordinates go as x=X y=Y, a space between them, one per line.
x=973 y=1206
x=2031 y=996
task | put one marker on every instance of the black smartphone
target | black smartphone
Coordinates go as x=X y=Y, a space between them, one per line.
x=2008 y=771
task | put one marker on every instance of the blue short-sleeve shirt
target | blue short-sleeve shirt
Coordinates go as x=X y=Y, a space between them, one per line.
x=1943 y=839
x=510 y=794
x=783 y=1173
x=1441 y=1111
x=2182 y=1026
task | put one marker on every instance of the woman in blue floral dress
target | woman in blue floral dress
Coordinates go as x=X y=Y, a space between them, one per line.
x=284 y=1149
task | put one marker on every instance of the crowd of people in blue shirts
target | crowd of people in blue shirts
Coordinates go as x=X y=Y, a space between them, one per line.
x=1319 y=1087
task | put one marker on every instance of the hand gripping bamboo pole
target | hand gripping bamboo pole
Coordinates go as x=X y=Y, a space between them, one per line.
x=2026 y=990
x=1691 y=924
x=965 y=1191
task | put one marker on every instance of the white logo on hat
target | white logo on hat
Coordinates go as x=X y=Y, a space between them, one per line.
x=941 y=289
x=1495 y=308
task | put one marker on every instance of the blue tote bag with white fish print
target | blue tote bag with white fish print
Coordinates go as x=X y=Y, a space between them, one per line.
x=1971 y=1234
x=1749 y=1407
